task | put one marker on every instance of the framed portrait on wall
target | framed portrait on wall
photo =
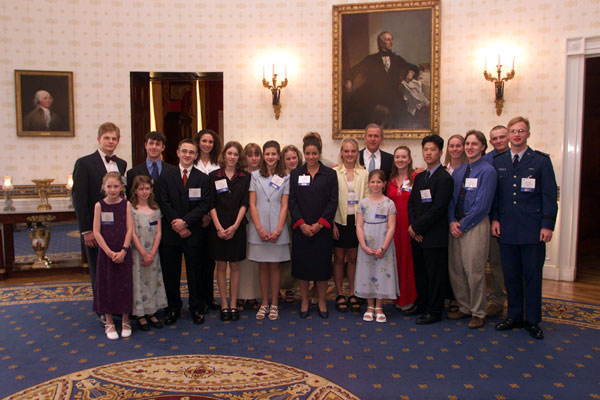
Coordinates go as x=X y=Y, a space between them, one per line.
x=386 y=68
x=44 y=101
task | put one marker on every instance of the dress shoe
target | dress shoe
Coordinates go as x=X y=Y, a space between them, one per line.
x=414 y=310
x=225 y=314
x=143 y=324
x=476 y=322
x=494 y=309
x=102 y=319
x=171 y=318
x=427 y=319
x=509 y=324
x=235 y=314
x=304 y=314
x=197 y=317
x=155 y=322
x=534 y=330
x=457 y=315
x=324 y=314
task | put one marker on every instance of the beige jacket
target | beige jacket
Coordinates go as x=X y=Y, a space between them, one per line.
x=360 y=186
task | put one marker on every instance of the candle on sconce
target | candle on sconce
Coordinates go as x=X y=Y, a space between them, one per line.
x=69 y=184
x=498 y=59
x=263 y=72
x=485 y=64
x=7 y=185
x=513 y=67
x=285 y=70
x=273 y=69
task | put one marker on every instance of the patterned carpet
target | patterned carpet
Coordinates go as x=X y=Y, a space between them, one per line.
x=52 y=347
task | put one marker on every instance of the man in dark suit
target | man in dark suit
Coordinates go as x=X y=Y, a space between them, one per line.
x=523 y=218
x=87 y=186
x=374 y=156
x=184 y=193
x=154 y=167
x=380 y=97
x=428 y=228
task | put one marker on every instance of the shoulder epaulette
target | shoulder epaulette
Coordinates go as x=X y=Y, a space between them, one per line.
x=542 y=153
x=499 y=154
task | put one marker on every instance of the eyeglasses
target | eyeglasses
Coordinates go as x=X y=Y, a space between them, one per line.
x=517 y=130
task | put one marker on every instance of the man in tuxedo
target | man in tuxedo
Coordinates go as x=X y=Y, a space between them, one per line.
x=372 y=157
x=87 y=187
x=523 y=218
x=184 y=193
x=154 y=166
x=428 y=229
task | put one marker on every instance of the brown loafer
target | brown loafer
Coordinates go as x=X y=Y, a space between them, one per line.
x=457 y=315
x=476 y=322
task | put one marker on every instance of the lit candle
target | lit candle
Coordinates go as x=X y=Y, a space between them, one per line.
x=285 y=69
x=273 y=70
x=69 y=184
x=513 y=67
x=498 y=60
x=263 y=72
x=485 y=64
x=7 y=183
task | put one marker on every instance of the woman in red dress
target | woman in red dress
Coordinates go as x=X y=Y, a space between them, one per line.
x=399 y=188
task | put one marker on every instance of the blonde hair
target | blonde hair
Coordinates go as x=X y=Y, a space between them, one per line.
x=109 y=127
x=463 y=157
x=518 y=119
x=355 y=143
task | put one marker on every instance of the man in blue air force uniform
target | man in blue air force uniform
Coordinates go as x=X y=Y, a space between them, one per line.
x=523 y=218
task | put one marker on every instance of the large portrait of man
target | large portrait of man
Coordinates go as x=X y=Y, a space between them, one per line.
x=386 y=60
x=44 y=101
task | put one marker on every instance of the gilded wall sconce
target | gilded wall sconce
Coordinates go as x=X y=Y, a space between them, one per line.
x=275 y=89
x=499 y=82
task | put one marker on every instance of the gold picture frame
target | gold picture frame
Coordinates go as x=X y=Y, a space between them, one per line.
x=372 y=84
x=44 y=101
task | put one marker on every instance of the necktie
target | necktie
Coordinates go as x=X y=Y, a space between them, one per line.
x=184 y=179
x=515 y=160
x=111 y=158
x=427 y=175
x=154 y=171
x=459 y=211
x=372 y=163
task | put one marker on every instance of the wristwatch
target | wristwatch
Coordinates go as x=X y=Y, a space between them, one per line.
x=125 y=248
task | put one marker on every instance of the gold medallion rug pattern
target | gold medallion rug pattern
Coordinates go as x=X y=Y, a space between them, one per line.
x=190 y=377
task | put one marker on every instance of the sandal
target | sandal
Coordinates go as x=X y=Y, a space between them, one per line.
x=341 y=306
x=289 y=296
x=273 y=313
x=111 y=332
x=262 y=312
x=368 y=315
x=155 y=322
x=380 y=316
x=126 y=329
x=354 y=306
x=143 y=324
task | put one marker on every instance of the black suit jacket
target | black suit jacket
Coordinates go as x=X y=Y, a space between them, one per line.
x=387 y=160
x=431 y=219
x=142 y=169
x=175 y=203
x=87 y=187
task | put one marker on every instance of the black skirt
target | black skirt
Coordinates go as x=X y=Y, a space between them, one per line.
x=232 y=250
x=348 y=239
x=312 y=256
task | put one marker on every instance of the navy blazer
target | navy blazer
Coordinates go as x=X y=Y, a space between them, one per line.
x=387 y=161
x=175 y=203
x=522 y=214
x=87 y=187
x=142 y=169
x=431 y=219
x=316 y=202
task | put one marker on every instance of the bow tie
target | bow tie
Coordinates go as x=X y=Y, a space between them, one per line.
x=111 y=158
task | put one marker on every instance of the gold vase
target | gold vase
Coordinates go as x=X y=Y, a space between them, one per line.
x=39 y=234
x=43 y=186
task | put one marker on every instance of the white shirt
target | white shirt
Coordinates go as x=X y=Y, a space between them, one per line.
x=208 y=168
x=188 y=169
x=367 y=158
x=110 y=166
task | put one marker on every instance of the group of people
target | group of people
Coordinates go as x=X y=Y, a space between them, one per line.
x=418 y=237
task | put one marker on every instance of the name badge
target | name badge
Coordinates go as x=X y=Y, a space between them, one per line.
x=195 y=193
x=107 y=218
x=406 y=186
x=381 y=213
x=470 y=183
x=152 y=223
x=426 y=196
x=352 y=198
x=527 y=184
x=221 y=186
x=276 y=182
x=304 y=180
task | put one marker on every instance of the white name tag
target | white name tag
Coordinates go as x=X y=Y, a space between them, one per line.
x=527 y=184
x=276 y=182
x=221 y=186
x=195 y=193
x=470 y=183
x=352 y=198
x=426 y=196
x=406 y=186
x=304 y=180
x=381 y=213
x=107 y=218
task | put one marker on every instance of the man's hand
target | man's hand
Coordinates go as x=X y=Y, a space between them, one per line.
x=185 y=232
x=545 y=235
x=496 y=228
x=178 y=224
x=89 y=239
x=455 y=230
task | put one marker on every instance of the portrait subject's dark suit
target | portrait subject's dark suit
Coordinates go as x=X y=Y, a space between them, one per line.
x=380 y=97
x=176 y=203
x=35 y=120
x=87 y=191
x=387 y=161
x=430 y=220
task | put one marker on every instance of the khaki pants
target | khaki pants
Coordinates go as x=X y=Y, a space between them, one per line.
x=497 y=292
x=467 y=257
